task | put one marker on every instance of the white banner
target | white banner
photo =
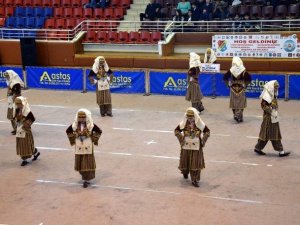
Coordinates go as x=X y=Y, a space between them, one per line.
x=259 y=46
x=210 y=68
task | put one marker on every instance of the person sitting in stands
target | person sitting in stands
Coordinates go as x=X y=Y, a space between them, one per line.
x=97 y=4
x=184 y=6
x=152 y=11
x=196 y=13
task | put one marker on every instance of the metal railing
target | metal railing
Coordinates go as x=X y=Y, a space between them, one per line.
x=166 y=27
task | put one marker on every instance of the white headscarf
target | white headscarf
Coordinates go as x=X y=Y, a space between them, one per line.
x=268 y=94
x=198 y=121
x=13 y=79
x=97 y=63
x=194 y=60
x=237 y=66
x=26 y=108
x=89 y=120
x=212 y=57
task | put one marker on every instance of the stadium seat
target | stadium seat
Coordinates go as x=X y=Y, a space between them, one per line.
x=134 y=36
x=29 y=11
x=232 y=11
x=1 y=2
x=39 y=12
x=108 y=13
x=88 y=13
x=260 y=2
x=20 y=22
x=243 y=10
x=294 y=10
x=84 y=2
x=155 y=36
x=70 y=23
x=112 y=36
x=60 y=23
x=125 y=3
x=101 y=36
x=46 y=3
x=255 y=11
x=118 y=13
x=58 y=12
x=9 y=11
x=19 y=11
x=267 y=12
x=2 y=22
x=78 y=13
x=280 y=11
x=37 y=3
x=48 y=12
x=9 y=3
x=10 y=22
x=145 y=36
x=50 y=23
x=2 y=11
x=66 y=3
x=18 y=3
x=247 y=2
x=123 y=36
x=98 y=13
x=68 y=12
x=79 y=20
x=114 y=3
x=55 y=3
x=90 y=36
x=39 y=22
x=30 y=22
x=76 y=3
x=27 y=3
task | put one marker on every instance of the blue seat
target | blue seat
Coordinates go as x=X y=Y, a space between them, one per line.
x=20 y=22
x=19 y=11
x=40 y=22
x=48 y=12
x=38 y=11
x=30 y=22
x=10 y=22
x=29 y=11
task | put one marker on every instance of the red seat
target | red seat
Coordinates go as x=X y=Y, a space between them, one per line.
x=145 y=36
x=9 y=2
x=2 y=22
x=47 y=3
x=1 y=2
x=56 y=3
x=78 y=13
x=119 y=13
x=90 y=36
x=112 y=36
x=2 y=11
x=123 y=36
x=134 y=36
x=58 y=12
x=9 y=11
x=79 y=20
x=111 y=25
x=156 y=36
x=98 y=13
x=18 y=3
x=52 y=35
x=101 y=36
x=68 y=12
x=63 y=35
x=37 y=3
x=114 y=3
x=84 y=2
x=27 y=3
x=50 y=23
x=66 y=3
x=70 y=23
x=76 y=3
x=60 y=23
x=125 y=3
x=88 y=13
x=108 y=13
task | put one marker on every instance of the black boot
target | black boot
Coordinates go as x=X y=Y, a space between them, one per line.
x=13 y=132
x=24 y=163
x=85 y=184
x=185 y=176
x=260 y=152
x=36 y=155
x=195 y=184
x=284 y=154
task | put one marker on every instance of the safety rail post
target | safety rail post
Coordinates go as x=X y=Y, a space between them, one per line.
x=25 y=78
x=147 y=82
x=84 y=81
x=287 y=85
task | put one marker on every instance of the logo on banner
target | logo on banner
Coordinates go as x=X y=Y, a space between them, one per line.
x=222 y=45
x=172 y=85
x=256 y=86
x=121 y=82
x=289 y=46
x=55 y=78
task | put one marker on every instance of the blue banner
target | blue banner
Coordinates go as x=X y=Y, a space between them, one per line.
x=294 y=86
x=176 y=83
x=123 y=82
x=54 y=78
x=255 y=88
x=18 y=70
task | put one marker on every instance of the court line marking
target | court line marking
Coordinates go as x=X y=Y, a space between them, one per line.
x=150 y=156
x=151 y=191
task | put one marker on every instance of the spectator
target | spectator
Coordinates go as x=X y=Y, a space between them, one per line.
x=189 y=25
x=184 y=6
x=152 y=11
x=237 y=24
x=207 y=8
x=218 y=10
x=196 y=13
x=247 y=25
x=200 y=4
x=97 y=4
x=236 y=2
x=178 y=18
